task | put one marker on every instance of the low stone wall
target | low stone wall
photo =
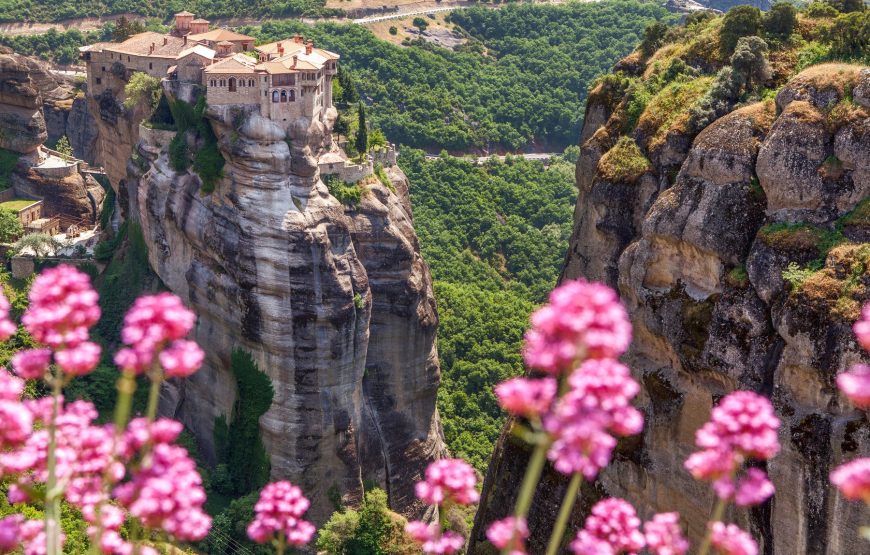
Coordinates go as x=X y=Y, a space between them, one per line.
x=24 y=266
x=7 y=195
x=386 y=155
x=348 y=172
x=155 y=137
x=59 y=172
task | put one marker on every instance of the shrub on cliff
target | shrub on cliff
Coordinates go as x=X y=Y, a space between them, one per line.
x=740 y=21
x=780 y=21
x=141 y=90
x=372 y=530
x=624 y=163
x=10 y=226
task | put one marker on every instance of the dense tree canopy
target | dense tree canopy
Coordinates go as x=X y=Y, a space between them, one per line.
x=528 y=85
x=495 y=237
x=55 y=10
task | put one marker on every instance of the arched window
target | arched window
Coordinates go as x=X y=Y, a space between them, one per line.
x=223 y=83
x=283 y=96
x=292 y=95
x=213 y=83
x=232 y=84
x=250 y=82
x=274 y=96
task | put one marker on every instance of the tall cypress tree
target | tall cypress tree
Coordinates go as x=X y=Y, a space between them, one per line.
x=362 y=134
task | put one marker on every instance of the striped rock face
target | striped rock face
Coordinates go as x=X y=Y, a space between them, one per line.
x=335 y=305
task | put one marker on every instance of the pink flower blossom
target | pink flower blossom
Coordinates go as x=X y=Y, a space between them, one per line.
x=17 y=423
x=862 y=327
x=664 y=535
x=853 y=479
x=728 y=539
x=452 y=479
x=581 y=320
x=855 y=384
x=166 y=492
x=509 y=533
x=432 y=541
x=11 y=387
x=753 y=488
x=526 y=397
x=155 y=326
x=10 y=527
x=279 y=511
x=63 y=305
x=79 y=360
x=181 y=359
x=155 y=320
x=31 y=364
x=33 y=537
x=7 y=326
x=583 y=423
x=613 y=522
x=742 y=426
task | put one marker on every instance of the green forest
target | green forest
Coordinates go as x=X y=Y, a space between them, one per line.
x=57 y=10
x=495 y=238
x=520 y=80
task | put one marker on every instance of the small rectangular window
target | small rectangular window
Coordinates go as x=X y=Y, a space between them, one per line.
x=99 y=81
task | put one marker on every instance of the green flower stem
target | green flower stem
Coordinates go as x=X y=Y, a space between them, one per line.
x=52 y=495
x=126 y=387
x=718 y=513
x=154 y=395
x=281 y=544
x=564 y=513
x=530 y=482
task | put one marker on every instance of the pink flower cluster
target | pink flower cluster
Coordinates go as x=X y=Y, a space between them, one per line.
x=526 y=397
x=7 y=326
x=853 y=479
x=597 y=406
x=509 y=533
x=165 y=493
x=155 y=327
x=612 y=527
x=664 y=535
x=728 y=539
x=63 y=307
x=743 y=426
x=582 y=320
x=432 y=540
x=279 y=512
x=448 y=479
x=855 y=384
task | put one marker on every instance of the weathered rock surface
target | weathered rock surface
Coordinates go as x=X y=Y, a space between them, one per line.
x=77 y=196
x=334 y=303
x=699 y=265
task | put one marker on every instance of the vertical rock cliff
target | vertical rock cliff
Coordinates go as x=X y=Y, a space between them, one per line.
x=334 y=303
x=741 y=256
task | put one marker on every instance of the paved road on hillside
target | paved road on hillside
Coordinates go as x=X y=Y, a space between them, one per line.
x=542 y=156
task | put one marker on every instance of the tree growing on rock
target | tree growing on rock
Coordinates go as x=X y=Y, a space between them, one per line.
x=63 y=146
x=653 y=37
x=780 y=21
x=10 y=226
x=740 y=21
x=362 y=133
x=141 y=89
x=749 y=62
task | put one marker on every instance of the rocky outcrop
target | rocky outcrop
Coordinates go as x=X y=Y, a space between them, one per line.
x=699 y=260
x=333 y=302
x=76 y=196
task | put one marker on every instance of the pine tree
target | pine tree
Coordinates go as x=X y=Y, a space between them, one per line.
x=362 y=134
x=63 y=146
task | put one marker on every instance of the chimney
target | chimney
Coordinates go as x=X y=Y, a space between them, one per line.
x=280 y=50
x=297 y=39
x=294 y=61
x=151 y=50
x=185 y=40
x=309 y=46
x=165 y=41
